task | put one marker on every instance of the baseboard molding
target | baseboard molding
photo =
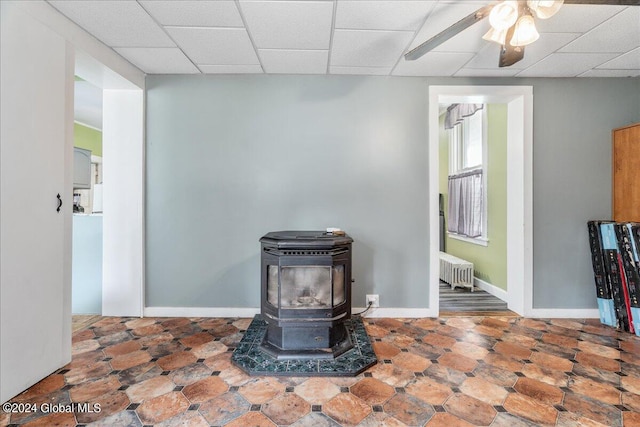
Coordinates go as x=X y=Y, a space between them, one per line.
x=200 y=311
x=379 y=312
x=250 y=312
x=490 y=289
x=409 y=313
x=564 y=313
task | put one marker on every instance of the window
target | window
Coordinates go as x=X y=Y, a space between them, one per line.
x=467 y=164
x=466 y=143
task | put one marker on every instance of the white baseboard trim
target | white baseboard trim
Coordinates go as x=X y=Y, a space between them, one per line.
x=491 y=289
x=379 y=312
x=409 y=313
x=200 y=311
x=564 y=313
x=250 y=312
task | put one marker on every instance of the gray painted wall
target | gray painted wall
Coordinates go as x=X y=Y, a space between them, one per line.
x=573 y=120
x=230 y=158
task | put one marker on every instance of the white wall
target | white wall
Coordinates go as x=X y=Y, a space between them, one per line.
x=123 y=203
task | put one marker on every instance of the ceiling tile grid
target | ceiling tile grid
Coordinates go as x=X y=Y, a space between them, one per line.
x=362 y=37
x=434 y=64
x=215 y=46
x=368 y=48
x=115 y=23
x=626 y=61
x=289 y=25
x=565 y=64
x=382 y=15
x=605 y=37
x=158 y=60
x=190 y=13
x=288 y=61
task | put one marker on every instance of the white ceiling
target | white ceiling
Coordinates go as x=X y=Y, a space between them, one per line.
x=351 y=37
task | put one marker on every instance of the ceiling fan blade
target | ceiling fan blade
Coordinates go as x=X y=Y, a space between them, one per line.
x=509 y=55
x=445 y=35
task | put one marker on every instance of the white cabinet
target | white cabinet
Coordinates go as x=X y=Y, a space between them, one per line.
x=81 y=168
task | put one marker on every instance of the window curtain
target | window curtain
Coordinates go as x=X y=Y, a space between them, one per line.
x=457 y=112
x=465 y=203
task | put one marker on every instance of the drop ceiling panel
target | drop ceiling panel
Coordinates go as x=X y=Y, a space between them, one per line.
x=627 y=61
x=611 y=73
x=621 y=33
x=289 y=25
x=215 y=46
x=433 y=64
x=577 y=18
x=550 y=42
x=361 y=48
x=158 y=60
x=294 y=61
x=566 y=64
x=373 y=71
x=194 y=13
x=382 y=15
x=231 y=69
x=487 y=72
x=115 y=23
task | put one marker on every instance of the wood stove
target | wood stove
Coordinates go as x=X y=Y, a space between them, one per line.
x=306 y=293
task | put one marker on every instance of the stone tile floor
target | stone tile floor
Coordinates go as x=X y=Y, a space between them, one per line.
x=457 y=371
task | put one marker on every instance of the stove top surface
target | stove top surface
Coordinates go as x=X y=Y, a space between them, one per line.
x=290 y=239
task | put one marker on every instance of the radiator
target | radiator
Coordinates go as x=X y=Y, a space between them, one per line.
x=455 y=271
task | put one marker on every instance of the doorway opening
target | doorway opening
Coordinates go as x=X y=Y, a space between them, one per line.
x=114 y=211
x=472 y=185
x=518 y=103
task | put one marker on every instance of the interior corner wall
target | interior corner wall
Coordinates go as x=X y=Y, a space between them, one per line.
x=489 y=262
x=230 y=158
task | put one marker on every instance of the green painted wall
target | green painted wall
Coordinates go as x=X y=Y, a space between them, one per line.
x=87 y=138
x=490 y=262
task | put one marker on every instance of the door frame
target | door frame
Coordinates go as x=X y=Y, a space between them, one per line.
x=519 y=100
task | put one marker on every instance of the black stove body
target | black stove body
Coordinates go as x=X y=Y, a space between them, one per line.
x=306 y=293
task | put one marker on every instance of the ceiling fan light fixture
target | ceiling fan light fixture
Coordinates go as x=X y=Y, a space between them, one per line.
x=496 y=36
x=545 y=9
x=504 y=15
x=525 y=32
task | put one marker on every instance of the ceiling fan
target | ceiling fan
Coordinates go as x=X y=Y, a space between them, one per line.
x=512 y=25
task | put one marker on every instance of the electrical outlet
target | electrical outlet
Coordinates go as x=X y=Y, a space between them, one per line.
x=374 y=299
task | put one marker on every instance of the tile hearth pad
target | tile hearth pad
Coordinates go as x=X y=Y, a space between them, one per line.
x=252 y=359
